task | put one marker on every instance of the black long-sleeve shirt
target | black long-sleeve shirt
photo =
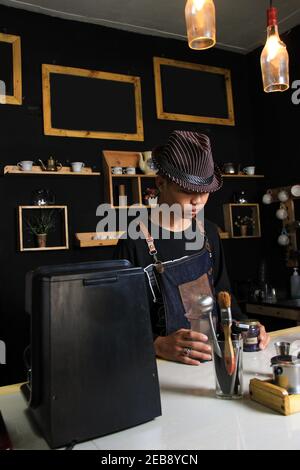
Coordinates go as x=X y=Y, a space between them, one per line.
x=136 y=251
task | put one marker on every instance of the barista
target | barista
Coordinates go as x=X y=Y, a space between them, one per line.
x=185 y=255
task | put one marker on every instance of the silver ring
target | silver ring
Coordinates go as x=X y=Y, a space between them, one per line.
x=187 y=351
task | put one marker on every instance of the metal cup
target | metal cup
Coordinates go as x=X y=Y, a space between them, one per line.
x=282 y=348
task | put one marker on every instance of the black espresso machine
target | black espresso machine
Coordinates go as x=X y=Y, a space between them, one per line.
x=92 y=362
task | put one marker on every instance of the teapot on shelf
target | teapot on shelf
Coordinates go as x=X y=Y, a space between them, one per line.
x=51 y=165
x=146 y=163
x=230 y=168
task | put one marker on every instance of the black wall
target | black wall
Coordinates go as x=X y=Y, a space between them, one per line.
x=54 y=41
x=276 y=127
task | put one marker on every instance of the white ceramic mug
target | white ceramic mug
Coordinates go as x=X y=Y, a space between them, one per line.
x=281 y=213
x=283 y=239
x=117 y=170
x=295 y=190
x=25 y=165
x=249 y=170
x=283 y=196
x=267 y=198
x=77 y=166
x=130 y=170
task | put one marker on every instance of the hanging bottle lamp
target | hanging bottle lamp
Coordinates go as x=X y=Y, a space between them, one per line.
x=274 y=58
x=200 y=17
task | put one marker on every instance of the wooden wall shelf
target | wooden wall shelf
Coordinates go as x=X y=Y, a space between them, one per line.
x=137 y=175
x=135 y=184
x=241 y=175
x=36 y=170
x=87 y=239
x=224 y=235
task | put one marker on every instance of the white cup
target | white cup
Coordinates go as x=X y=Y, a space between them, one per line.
x=281 y=213
x=283 y=196
x=77 y=166
x=267 y=198
x=25 y=165
x=249 y=170
x=117 y=170
x=130 y=170
x=295 y=190
x=283 y=240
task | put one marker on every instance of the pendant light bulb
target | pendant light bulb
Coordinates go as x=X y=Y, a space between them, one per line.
x=200 y=17
x=274 y=58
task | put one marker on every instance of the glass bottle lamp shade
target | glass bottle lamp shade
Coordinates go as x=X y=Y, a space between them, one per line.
x=274 y=58
x=200 y=17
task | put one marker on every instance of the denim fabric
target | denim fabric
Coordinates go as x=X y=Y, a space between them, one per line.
x=175 y=274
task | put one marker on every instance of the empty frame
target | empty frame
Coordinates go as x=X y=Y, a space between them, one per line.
x=11 y=69
x=91 y=104
x=193 y=92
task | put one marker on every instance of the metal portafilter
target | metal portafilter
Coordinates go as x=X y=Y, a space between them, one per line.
x=206 y=304
x=282 y=348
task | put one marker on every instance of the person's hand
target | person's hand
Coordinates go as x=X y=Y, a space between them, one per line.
x=263 y=337
x=184 y=346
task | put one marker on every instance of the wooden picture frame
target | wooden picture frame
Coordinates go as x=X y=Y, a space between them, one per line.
x=231 y=213
x=16 y=97
x=161 y=90
x=64 y=226
x=49 y=129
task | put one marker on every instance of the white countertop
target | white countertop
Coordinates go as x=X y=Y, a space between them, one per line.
x=192 y=417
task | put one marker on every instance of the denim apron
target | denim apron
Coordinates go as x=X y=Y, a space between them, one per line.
x=176 y=285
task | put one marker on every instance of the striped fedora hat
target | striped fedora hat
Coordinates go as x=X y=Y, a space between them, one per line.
x=186 y=159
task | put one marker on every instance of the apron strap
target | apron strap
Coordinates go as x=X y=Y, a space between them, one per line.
x=149 y=239
x=151 y=247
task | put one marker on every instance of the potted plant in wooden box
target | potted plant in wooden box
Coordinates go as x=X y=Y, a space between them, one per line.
x=41 y=225
x=244 y=223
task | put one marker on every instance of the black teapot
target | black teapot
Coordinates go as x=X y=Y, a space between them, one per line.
x=240 y=197
x=43 y=197
x=51 y=165
x=228 y=168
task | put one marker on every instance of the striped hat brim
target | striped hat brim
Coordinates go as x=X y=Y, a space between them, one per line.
x=187 y=181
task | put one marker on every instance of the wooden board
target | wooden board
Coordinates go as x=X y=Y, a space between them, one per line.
x=86 y=239
x=241 y=175
x=273 y=311
x=274 y=397
x=36 y=170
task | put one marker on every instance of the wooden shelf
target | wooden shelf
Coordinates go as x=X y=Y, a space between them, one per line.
x=224 y=235
x=135 y=183
x=86 y=239
x=224 y=175
x=241 y=175
x=137 y=175
x=36 y=170
x=247 y=236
